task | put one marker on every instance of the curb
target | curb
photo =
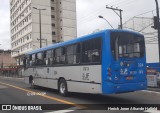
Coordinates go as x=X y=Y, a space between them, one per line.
x=12 y=78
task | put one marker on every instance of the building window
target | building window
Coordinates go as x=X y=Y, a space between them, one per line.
x=53 y=25
x=53 y=17
x=53 y=33
x=52 y=8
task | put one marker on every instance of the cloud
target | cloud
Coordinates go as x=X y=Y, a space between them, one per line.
x=4 y=25
x=87 y=15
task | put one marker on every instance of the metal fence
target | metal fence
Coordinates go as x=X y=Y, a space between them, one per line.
x=11 y=72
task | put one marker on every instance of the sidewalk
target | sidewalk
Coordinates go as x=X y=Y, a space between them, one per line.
x=15 y=77
x=154 y=89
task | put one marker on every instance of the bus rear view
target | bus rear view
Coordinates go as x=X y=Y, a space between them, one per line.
x=126 y=70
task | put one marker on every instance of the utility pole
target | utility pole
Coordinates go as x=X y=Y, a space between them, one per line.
x=120 y=14
x=158 y=27
x=40 y=33
x=44 y=40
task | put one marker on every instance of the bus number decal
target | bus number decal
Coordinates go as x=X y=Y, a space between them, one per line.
x=140 y=65
x=85 y=74
x=85 y=68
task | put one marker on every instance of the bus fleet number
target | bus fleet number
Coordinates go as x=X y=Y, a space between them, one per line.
x=85 y=74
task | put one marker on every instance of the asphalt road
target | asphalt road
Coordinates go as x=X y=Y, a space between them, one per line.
x=15 y=91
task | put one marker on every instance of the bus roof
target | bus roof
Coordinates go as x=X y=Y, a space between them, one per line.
x=80 y=39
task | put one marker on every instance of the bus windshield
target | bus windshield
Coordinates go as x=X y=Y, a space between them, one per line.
x=127 y=45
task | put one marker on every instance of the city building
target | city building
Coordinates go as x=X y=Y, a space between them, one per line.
x=7 y=63
x=57 y=19
x=144 y=26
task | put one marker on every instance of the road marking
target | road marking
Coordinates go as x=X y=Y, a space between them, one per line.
x=64 y=111
x=61 y=111
x=46 y=96
x=152 y=111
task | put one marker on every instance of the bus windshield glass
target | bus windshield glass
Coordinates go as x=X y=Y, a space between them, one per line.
x=127 y=45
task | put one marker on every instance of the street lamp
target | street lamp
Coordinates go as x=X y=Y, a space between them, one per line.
x=39 y=25
x=105 y=20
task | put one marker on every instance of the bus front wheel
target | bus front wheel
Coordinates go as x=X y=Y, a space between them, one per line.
x=63 y=90
x=32 y=84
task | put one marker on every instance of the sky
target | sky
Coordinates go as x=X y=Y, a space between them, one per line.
x=87 y=15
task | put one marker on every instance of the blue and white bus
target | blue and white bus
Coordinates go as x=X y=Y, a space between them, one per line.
x=107 y=62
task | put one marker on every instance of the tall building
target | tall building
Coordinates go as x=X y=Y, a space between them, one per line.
x=58 y=23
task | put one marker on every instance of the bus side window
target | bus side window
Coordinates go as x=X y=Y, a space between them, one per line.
x=77 y=54
x=58 y=53
x=96 y=50
x=48 y=58
x=54 y=57
x=45 y=57
x=39 y=59
x=63 y=56
x=24 y=61
x=73 y=54
x=33 y=62
x=91 y=51
x=69 y=54
x=30 y=60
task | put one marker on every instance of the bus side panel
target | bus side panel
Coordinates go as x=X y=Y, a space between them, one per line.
x=84 y=79
x=81 y=87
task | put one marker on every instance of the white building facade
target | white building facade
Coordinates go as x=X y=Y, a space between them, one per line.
x=58 y=23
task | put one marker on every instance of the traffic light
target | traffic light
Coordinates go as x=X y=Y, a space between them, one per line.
x=156 y=22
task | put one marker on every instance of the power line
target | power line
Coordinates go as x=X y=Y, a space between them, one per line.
x=97 y=11
x=126 y=3
x=144 y=13
x=91 y=16
x=117 y=2
x=120 y=14
x=146 y=27
x=111 y=3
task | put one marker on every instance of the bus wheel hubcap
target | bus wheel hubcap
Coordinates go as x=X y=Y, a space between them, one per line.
x=32 y=83
x=62 y=88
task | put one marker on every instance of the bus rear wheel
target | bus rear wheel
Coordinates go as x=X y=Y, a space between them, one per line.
x=63 y=90
x=32 y=84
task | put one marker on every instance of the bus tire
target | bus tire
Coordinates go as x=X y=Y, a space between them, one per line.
x=63 y=90
x=32 y=84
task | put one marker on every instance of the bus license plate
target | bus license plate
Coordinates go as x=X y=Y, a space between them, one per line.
x=129 y=78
